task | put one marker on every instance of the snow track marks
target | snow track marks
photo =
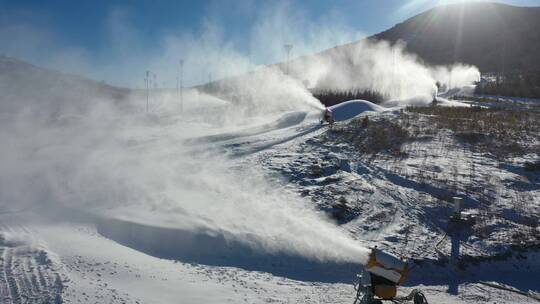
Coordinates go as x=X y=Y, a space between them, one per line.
x=28 y=276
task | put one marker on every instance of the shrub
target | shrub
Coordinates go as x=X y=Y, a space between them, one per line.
x=530 y=166
x=502 y=132
x=378 y=136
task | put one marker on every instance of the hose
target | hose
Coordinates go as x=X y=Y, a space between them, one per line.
x=416 y=296
x=419 y=298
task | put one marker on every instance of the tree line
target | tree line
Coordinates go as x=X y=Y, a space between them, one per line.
x=513 y=84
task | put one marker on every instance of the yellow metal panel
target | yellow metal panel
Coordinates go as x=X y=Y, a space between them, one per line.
x=385 y=292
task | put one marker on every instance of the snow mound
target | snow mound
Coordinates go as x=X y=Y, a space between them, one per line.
x=353 y=108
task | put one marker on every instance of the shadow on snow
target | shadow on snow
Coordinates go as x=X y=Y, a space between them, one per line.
x=215 y=250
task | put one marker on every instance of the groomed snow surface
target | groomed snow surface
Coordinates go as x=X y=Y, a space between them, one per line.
x=145 y=247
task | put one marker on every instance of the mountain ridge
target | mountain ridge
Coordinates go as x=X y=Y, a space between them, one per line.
x=495 y=37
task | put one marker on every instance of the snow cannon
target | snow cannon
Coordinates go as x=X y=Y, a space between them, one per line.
x=387 y=267
x=380 y=277
x=328 y=116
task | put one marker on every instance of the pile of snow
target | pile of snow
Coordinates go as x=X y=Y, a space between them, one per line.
x=353 y=108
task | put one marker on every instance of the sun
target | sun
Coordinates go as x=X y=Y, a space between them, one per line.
x=415 y=5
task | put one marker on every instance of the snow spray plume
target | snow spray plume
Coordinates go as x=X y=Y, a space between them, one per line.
x=381 y=67
x=266 y=90
x=110 y=158
x=456 y=76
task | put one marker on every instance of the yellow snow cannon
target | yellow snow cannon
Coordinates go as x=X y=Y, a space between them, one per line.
x=387 y=266
x=380 y=277
x=328 y=116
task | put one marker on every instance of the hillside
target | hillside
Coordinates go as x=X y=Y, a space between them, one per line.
x=25 y=85
x=491 y=36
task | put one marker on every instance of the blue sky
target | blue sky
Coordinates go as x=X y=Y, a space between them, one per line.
x=95 y=38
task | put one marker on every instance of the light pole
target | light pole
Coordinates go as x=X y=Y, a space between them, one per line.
x=450 y=81
x=288 y=48
x=147 y=83
x=155 y=88
x=394 y=86
x=181 y=85
x=503 y=57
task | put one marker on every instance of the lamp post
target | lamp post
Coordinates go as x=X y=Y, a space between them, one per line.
x=288 y=48
x=147 y=83
x=450 y=78
x=181 y=85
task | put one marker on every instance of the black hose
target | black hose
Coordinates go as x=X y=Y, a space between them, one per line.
x=420 y=298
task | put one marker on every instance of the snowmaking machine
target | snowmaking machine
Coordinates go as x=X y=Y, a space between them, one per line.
x=327 y=117
x=379 y=280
